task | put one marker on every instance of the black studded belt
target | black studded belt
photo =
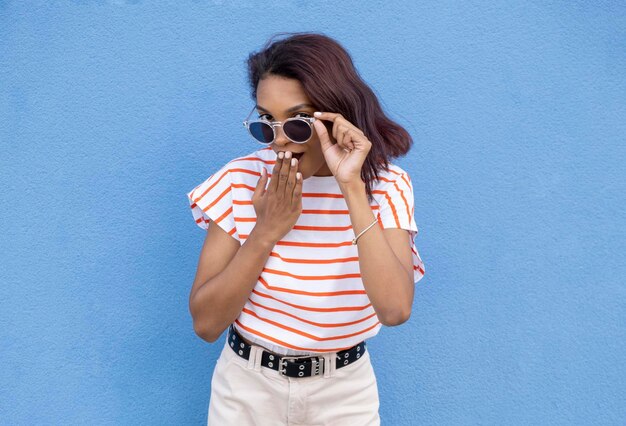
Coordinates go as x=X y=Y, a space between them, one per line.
x=294 y=366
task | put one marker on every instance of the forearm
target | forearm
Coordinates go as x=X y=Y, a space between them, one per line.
x=386 y=282
x=219 y=301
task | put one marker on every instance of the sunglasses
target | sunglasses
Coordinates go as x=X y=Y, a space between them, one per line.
x=297 y=129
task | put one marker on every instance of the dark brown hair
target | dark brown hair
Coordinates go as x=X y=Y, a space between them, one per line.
x=327 y=74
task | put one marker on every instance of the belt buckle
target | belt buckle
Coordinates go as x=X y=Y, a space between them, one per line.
x=316 y=367
x=283 y=362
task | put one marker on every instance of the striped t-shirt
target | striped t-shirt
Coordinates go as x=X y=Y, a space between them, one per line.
x=309 y=297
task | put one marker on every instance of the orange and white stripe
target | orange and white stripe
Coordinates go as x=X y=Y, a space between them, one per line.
x=309 y=296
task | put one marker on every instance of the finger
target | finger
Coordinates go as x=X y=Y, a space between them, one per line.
x=283 y=175
x=330 y=116
x=350 y=144
x=291 y=181
x=322 y=134
x=275 y=173
x=339 y=121
x=260 y=185
x=358 y=140
x=339 y=138
x=348 y=140
x=297 y=190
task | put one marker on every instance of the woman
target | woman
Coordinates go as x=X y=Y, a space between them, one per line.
x=296 y=268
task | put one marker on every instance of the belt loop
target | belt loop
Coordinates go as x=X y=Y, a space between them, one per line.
x=329 y=360
x=333 y=363
x=253 y=355
x=258 y=357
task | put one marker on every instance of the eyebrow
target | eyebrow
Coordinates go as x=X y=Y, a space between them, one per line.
x=292 y=109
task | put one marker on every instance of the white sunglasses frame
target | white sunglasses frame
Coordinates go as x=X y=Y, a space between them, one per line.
x=273 y=124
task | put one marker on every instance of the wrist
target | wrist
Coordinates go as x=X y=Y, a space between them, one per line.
x=354 y=187
x=259 y=236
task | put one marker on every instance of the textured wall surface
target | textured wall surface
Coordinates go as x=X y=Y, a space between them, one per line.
x=110 y=111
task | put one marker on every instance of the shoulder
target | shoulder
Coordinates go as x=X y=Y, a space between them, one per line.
x=393 y=175
x=393 y=187
x=394 y=194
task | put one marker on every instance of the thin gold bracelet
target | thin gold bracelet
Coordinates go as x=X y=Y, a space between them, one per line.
x=363 y=231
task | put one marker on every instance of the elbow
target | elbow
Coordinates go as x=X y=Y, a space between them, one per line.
x=395 y=317
x=202 y=326
x=398 y=313
x=205 y=333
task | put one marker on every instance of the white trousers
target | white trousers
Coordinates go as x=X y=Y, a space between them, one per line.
x=245 y=393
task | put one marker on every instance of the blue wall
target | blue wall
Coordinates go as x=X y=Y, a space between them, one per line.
x=110 y=111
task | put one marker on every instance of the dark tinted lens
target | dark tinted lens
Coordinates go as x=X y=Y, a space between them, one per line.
x=298 y=130
x=262 y=132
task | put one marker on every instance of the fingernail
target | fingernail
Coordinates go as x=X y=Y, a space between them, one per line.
x=288 y=154
x=298 y=175
x=280 y=155
x=293 y=161
x=317 y=113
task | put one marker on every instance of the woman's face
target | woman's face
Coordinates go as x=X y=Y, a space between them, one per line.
x=280 y=98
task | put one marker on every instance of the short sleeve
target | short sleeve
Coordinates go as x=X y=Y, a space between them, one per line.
x=396 y=210
x=213 y=199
